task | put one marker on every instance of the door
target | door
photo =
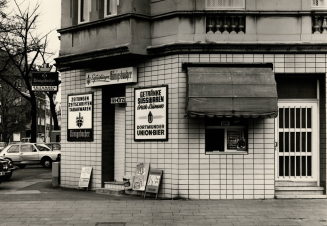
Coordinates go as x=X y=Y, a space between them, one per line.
x=298 y=141
x=29 y=153
x=13 y=153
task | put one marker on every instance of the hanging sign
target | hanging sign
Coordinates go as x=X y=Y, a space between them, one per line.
x=110 y=77
x=45 y=81
x=80 y=117
x=140 y=177
x=84 y=179
x=151 y=106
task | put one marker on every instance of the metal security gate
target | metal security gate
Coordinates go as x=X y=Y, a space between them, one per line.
x=298 y=141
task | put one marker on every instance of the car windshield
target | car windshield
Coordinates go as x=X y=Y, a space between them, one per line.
x=42 y=147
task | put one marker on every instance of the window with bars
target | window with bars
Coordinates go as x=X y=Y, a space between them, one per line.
x=225 y=4
x=319 y=4
x=110 y=7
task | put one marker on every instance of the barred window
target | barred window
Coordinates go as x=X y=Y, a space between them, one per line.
x=225 y=4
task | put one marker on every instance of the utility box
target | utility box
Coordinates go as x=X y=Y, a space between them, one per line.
x=55 y=174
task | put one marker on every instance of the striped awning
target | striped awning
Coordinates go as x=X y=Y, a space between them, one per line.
x=230 y=91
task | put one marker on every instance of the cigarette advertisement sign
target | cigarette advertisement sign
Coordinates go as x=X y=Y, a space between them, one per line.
x=110 y=77
x=80 y=117
x=45 y=81
x=151 y=113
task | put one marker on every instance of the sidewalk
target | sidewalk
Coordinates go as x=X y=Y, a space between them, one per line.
x=72 y=207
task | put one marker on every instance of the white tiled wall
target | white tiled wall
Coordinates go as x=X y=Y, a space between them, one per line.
x=78 y=154
x=188 y=172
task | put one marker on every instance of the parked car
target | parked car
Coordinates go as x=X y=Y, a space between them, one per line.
x=6 y=169
x=54 y=146
x=2 y=145
x=23 y=154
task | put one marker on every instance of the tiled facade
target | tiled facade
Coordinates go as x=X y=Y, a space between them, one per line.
x=188 y=171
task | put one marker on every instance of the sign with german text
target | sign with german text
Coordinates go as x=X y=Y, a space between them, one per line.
x=111 y=77
x=140 y=177
x=153 y=183
x=118 y=100
x=80 y=117
x=45 y=81
x=151 y=105
x=84 y=179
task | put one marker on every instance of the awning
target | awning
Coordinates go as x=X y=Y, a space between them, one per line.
x=228 y=91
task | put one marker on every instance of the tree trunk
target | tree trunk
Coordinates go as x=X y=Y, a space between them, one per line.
x=34 y=118
x=53 y=111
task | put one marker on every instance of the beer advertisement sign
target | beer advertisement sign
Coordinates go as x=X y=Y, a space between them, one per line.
x=80 y=117
x=151 y=106
x=111 y=77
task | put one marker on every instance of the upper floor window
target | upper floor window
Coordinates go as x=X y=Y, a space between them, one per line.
x=225 y=4
x=319 y=4
x=110 y=7
x=84 y=8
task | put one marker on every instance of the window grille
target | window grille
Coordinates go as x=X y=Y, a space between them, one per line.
x=319 y=4
x=225 y=4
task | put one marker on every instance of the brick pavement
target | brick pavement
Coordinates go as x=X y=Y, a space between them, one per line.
x=97 y=211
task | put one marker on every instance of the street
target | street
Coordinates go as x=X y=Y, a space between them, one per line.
x=29 y=199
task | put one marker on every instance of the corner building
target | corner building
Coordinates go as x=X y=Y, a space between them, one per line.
x=237 y=87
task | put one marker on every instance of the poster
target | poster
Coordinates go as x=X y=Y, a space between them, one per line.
x=151 y=106
x=140 y=177
x=84 y=179
x=233 y=136
x=154 y=180
x=80 y=117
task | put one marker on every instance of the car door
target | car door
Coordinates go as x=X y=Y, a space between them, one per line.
x=29 y=153
x=13 y=153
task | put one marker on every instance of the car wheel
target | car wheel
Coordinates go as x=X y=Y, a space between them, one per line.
x=22 y=166
x=46 y=163
x=8 y=176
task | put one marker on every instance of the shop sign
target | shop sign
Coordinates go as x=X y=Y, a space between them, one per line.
x=84 y=179
x=153 y=183
x=111 y=77
x=80 y=117
x=140 y=177
x=118 y=100
x=45 y=81
x=151 y=106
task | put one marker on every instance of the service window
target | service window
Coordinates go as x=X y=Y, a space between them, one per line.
x=226 y=139
x=13 y=149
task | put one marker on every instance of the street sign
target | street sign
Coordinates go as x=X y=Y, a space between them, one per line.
x=45 y=81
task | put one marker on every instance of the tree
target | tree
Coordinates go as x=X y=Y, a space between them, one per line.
x=23 y=47
x=12 y=110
